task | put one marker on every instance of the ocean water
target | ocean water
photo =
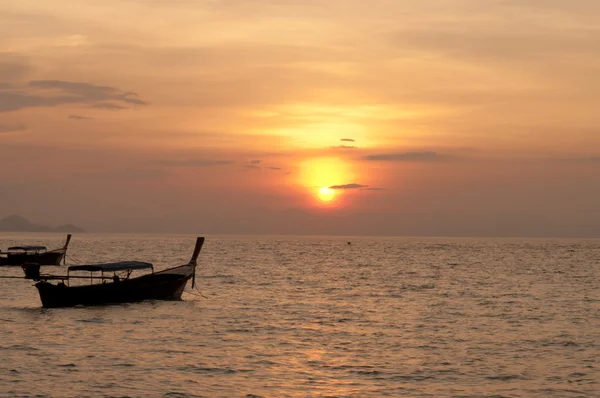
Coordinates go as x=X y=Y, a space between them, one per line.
x=318 y=317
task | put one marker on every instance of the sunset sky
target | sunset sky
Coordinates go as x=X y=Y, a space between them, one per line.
x=386 y=117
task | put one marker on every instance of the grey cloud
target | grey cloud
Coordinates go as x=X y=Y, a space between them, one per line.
x=57 y=92
x=274 y=168
x=252 y=164
x=88 y=91
x=195 y=162
x=407 y=157
x=108 y=105
x=344 y=147
x=135 y=101
x=582 y=159
x=8 y=128
x=347 y=139
x=76 y=87
x=592 y=159
x=126 y=174
x=14 y=100
x=12 y=67
x=348 y=186
x=373 y=189
x=77 y=117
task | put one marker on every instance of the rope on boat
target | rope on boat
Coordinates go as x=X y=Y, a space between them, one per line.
x=71 y=258
x=194 y=294
x=201 y=293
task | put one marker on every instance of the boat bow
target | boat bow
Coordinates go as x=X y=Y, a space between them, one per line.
x=193 y=260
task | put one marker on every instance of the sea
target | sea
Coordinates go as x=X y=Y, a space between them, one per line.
x=317 y=316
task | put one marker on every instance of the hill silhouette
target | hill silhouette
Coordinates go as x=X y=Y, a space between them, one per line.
x=17 y=223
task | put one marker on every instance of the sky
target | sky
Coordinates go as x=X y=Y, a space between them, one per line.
x=345 y=117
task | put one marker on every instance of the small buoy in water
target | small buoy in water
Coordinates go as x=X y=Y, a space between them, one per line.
x=348 y=242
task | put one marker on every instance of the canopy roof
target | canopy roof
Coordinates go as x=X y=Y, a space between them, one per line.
x=109 y=267
x=28 y=248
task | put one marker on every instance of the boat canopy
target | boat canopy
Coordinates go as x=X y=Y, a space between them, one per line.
x=110 y=267
x=28 y=248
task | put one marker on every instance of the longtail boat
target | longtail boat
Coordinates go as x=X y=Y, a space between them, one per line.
x=57 y=291
x=19 y=255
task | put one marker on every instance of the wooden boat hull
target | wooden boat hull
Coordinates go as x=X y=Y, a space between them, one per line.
x=158 y=286
x=48 y=258
x=52 y=257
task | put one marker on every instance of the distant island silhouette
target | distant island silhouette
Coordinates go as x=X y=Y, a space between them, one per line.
x=16 y=223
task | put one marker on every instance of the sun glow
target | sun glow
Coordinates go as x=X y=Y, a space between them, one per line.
x=326 y=194
x=318 y=175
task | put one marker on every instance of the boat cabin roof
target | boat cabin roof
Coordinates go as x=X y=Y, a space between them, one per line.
x=110 y=267
x=28 y=248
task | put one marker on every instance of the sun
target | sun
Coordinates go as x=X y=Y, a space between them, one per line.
x=326 y=194
x=319 y=175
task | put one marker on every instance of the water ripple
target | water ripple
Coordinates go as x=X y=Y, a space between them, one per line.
x=304 y=317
